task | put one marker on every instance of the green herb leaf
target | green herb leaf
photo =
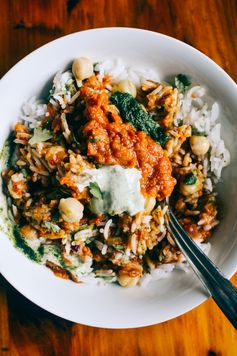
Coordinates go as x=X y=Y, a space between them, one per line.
x=198 y=133
x=182 y=82
x=71 y=87
x=108 y=279
x=24 y=172
x=131 y=110
x=161 y=257
x=51 y=226
x=94 y=140
x=119 y=247
x=95 y=190
x=40 y=135
x=74 y=138
x=190 y=178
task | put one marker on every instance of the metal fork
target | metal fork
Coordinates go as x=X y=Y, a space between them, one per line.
x=220 y=288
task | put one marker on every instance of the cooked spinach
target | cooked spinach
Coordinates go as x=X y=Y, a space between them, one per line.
x=131 y=110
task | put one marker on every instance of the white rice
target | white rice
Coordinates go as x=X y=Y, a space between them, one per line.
x=60 y=92
x=164 y=271
x=134 y=244
x=104 y=249
x=34 y=243
x=119 y=71
x=68 y=246
x=106 y=228
x=196 y=111
x=33 y=111
x=83 y=235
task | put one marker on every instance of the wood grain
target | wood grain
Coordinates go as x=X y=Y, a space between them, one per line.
x=4 y=319
x=211 y=27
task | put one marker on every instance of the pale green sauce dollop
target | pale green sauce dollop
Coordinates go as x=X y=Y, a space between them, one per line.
x=120 y=189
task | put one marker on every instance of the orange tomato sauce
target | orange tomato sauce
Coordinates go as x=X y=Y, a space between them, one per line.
x=110 y=141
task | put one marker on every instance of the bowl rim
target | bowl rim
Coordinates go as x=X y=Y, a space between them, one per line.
x=230 y=267
x=131 y=29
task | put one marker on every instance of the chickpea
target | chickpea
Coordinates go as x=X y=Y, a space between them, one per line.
x=126 y=86
x=54 y=155
x=82 y=68
x=189 y=189
x=17 y=186
x=150 y=203
x=129 y=275
x=71 y=210
x=199 y=145
x=127 y=281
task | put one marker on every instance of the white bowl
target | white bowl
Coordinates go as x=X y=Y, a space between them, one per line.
x=112 y=306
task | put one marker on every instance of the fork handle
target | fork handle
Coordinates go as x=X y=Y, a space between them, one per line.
x=221 y=289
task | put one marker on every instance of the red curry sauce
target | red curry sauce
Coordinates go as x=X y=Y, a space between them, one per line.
x=111 y=141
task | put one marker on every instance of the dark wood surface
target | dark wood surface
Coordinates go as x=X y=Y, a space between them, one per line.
x=211 y=27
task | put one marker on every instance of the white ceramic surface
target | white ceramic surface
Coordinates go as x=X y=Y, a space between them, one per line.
x=113 y=306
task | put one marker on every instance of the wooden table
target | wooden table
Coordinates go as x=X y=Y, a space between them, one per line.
x=211 y=27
